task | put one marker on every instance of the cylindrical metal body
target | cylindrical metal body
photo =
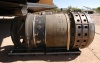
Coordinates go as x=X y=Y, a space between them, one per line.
x=56 y=30
x=71 y=31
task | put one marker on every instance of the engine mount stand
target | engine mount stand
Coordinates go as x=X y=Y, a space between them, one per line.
x=43 y=51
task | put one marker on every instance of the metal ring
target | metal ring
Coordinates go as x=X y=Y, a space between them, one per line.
x=68 y=31
x=91 y=30
x=78 y=31
x=39 y=30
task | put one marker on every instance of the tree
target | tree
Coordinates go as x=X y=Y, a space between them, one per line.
x=70 y=8
x=98 y=9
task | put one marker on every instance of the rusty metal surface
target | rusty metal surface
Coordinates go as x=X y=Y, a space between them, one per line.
x=56 y=30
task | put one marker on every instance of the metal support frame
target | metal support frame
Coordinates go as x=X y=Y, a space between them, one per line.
x=43 y=51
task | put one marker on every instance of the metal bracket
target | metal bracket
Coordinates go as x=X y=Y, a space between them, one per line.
x=24 y=10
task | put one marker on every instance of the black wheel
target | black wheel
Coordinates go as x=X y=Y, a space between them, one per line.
x=18 y=31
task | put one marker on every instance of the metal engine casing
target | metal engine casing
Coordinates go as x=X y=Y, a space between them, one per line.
x=71 y=31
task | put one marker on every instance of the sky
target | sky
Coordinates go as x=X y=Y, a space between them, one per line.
x=77 y=3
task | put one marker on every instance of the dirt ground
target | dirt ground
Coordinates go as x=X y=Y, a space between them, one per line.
x=90 y=54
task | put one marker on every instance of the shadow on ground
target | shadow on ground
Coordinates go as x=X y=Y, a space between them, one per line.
x=49 y=58
x=4 y=29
